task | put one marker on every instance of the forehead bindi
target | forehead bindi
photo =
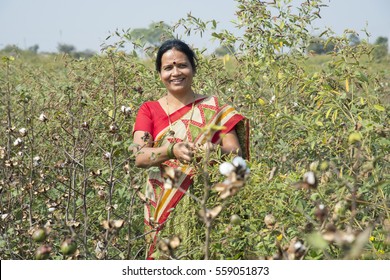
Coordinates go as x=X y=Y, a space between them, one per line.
x=174 y=56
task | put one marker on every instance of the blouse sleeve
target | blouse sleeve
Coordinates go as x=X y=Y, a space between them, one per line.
x=143 y=121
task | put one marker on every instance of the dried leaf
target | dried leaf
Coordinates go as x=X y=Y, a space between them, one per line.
x=360 y=242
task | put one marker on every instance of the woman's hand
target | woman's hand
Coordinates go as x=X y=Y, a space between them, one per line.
x=184 y=151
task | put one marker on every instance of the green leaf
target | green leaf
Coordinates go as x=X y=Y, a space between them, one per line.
x=379 y=108
x=328 y=113
x=317 y=241
x=362 y=77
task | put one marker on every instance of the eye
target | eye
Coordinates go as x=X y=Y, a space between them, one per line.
x=167 y=68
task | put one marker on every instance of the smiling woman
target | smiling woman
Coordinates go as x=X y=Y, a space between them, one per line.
x=168 y=133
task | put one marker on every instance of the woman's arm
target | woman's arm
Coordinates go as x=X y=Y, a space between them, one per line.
x=230 y=143
x=145 y=154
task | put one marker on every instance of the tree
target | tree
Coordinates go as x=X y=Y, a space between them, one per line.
x=154 y=34
x=84 y=54
x=354 y=40
x=11 y=49
x=381 y=41
x=381 y=47
x=320 y=46
x=65 y=48
x=223 y=50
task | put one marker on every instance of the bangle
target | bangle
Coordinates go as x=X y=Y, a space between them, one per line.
x=170 y=153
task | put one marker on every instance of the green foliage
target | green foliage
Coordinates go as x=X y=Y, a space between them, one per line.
x=71 y=50
x=224 y=50
x=154 y=34
x=380 y=51
x=66 y=127
x=320 y=46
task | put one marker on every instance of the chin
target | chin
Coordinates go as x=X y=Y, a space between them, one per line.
x=178 y=89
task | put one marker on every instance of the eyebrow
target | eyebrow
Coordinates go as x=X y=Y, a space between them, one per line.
x=175 y=63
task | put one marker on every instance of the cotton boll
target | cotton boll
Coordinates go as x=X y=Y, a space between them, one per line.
x=226 y=168
x=18 y=142
x=23 y=132
x=239 y=162
x=107 y=155
x=42 y=117
x=36 y=160
x=126 y=110
x=310 y=178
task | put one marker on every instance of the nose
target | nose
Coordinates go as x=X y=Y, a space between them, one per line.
x=175 y=70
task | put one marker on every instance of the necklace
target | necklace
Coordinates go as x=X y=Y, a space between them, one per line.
x=171 y=132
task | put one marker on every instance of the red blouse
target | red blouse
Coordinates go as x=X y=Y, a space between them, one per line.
x=152 y=118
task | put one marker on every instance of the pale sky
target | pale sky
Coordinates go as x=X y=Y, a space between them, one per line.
x=86 y=23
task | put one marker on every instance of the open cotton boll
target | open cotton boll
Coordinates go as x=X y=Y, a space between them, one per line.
x=23 y=132
x=18 y=142
x=239 y=162
x=226 y=168
x=309 y=177
x=42 y=117
x=126 y=110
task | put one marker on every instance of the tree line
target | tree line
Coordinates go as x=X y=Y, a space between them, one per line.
x=152 y=35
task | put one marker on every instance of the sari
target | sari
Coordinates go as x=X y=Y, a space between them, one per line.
x=187 y=123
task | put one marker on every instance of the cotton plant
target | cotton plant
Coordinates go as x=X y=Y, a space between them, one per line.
x=236 y=173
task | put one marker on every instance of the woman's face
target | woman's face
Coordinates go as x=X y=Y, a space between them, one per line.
x=176 y=72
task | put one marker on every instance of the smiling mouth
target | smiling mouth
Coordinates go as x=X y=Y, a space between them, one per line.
x=177 y=81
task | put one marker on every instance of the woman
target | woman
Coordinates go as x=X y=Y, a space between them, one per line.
x=168 y=132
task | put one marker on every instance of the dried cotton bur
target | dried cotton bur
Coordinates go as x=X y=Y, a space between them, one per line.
x=210 y=213
x=168 y=246
x=295 y=250
x=270 y=221
x=236 y=173
x=308 y=182
x=170 y=176
x=113 y=225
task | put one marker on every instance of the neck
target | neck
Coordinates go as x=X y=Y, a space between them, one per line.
x=180 y=100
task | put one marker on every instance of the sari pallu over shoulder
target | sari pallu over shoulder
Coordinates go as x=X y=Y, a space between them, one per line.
x=188 y=125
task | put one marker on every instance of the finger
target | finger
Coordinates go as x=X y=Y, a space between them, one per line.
x=187 y=158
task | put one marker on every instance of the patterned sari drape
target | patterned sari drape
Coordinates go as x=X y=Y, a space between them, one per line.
x=189 y=125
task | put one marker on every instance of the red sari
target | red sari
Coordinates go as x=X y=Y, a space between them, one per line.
x=187 y=123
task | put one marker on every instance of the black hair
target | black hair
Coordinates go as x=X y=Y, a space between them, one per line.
x=177 y=45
